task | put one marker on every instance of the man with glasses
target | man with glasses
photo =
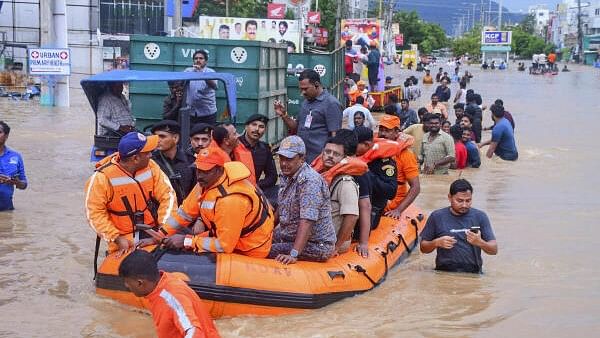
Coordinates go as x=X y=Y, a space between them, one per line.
x=201 y=95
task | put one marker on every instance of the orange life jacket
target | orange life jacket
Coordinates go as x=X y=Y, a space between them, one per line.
x=354 y=94
x=132 y=196
x=405 y=142
x=240 y=154
x=350 y=165
x=256 y=230
x=383 y=148
x=243 y=154
x=178 y=311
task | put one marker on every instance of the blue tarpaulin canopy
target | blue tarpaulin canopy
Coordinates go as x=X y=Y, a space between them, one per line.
x=95 y=85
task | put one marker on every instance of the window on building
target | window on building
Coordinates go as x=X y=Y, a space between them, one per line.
x=597 y=11
x=128 y=17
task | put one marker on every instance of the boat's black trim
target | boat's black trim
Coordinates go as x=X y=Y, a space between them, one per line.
x=252 y=296
x=243 y=295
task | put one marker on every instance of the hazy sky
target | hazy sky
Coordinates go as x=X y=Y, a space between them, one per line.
x=516 y=5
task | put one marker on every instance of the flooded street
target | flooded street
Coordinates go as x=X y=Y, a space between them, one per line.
x=544 y=210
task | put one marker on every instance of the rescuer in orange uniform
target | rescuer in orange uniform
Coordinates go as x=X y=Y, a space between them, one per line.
x=407 y=169
x=226 y=138
x=176 y=309
x=237 y=215
x=128 y=189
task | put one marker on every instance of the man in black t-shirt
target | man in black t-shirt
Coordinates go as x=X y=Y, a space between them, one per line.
x=459 y=233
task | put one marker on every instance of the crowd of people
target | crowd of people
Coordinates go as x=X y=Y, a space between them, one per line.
x=336 y=179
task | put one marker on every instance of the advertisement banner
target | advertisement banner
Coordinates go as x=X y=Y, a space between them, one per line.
x=49 y=61
x=314 y=18
x=399 y=38
x=496 y=38
x=395 y=28
x=321 y=36
x=250 y=29
x=275 y=11
x=361 y=31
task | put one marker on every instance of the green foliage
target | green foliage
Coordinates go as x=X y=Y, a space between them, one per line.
x=428 y=36
x=248 y=8
x=328 y=9
x=528 y=24
x=470 y=43
x=289 y=14
x=237 y=8
x=526 y=44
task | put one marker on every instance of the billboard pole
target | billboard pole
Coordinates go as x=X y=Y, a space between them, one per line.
x=338 y=17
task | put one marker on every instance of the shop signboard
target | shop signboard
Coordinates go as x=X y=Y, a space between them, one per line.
x=496 y=37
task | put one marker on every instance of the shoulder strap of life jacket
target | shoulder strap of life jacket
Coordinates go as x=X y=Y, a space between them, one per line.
x=261 y=215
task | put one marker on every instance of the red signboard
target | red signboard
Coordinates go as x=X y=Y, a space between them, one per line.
x=275 y=11
x=314 y=18
x=399 y=39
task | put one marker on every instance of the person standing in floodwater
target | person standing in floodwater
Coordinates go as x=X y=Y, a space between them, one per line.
x=459 y=233
x=12 y=170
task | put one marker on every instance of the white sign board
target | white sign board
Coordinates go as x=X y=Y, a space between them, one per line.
x=49 y=61
x=109 y=53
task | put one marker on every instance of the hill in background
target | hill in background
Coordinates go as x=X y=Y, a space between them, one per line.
x=448 y=13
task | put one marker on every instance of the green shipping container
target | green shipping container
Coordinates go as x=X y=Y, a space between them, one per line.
x=330 y=67
x=258 y=67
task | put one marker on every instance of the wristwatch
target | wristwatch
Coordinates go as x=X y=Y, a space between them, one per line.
x=187 y=242
x=294 y=253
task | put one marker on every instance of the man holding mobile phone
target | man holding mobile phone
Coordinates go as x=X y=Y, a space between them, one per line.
x=459 y=233
x=12 y=170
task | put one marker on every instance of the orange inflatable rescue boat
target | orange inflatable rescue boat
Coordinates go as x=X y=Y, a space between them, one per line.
x=233 y=285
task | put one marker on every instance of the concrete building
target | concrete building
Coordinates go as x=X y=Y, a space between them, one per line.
x=358 y=9
x=541 y=14
x=90 y=28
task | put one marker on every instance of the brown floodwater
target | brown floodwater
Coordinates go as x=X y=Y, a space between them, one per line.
x=544 y=210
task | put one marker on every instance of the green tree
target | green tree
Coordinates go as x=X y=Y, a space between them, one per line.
x=248 y=8
x=527 y=25
x=410 y=26
x=238 y=8
x=470 y=43
x=428 y=36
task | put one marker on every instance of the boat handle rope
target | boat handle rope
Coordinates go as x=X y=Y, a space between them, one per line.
x=362 y=270
x=391 y=246
x=96 y=253
x=415 y=225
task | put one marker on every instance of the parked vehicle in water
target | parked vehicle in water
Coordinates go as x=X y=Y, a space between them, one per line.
x=96 y=85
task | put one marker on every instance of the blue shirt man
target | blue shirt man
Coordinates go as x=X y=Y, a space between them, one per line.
x=12 y=170
x=201 y=95
x=503 y=137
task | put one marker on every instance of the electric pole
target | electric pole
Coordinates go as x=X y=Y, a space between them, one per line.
x=338 y=18
x=500 y=15
x=489 y=16
x=579 y=32
x=177 y=20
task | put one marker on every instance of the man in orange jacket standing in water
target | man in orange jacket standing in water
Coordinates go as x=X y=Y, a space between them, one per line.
x=128 y=190
x=176 y=309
